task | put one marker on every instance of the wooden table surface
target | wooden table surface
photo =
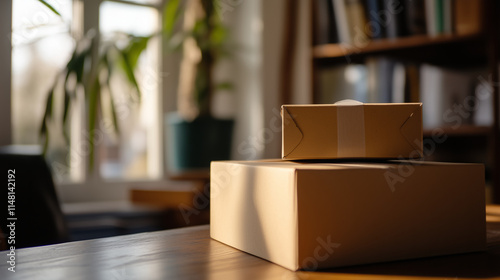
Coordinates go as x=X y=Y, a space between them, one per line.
x=189 y=253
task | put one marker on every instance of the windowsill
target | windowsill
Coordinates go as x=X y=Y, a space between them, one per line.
x=115 y=190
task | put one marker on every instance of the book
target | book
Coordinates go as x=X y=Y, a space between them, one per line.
x=430 y=17
x=438 y=14
x=447 y=17
x=376 y=24
x=467 y=16
x=415 y=17
x=325 y=29
x=445 y=94
x=396 y=22
x=356 y=19
x=483 y=98
x=340 y=15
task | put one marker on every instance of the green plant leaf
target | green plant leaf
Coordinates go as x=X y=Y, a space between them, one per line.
x=176 y=42
x=77 y=63
x=130 y=55
x=93 y=104
x=50 y=7
x=113 y=113
x=134 y=49
x=44 y=131
x=46 y=142
x=225 y=86
x=67 y=104
x=129 y=72
x=107 y=64
x=171 y=13
x=218 y=35
x=44 y=135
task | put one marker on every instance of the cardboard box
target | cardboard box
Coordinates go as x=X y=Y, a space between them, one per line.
x=317 y=215
x=376 y=130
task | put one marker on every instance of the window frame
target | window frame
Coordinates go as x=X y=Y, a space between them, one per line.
x=94 y=187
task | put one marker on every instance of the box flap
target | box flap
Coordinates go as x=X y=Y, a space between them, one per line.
x=293 y=135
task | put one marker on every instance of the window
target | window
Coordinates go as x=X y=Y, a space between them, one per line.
x=42 y=44
x=136 y=154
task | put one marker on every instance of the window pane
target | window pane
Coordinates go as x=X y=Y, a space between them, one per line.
x=41 y=46
x=135 y=153
x=32 y=21
x=132 y=19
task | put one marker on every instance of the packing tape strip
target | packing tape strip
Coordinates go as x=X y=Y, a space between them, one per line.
x=350 y=129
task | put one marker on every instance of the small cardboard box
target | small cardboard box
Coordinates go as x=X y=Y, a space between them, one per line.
x=318 y=215
x=376 y=130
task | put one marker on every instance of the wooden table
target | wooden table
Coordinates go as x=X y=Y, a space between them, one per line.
x=189 y=253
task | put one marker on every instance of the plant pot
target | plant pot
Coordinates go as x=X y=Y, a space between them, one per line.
x=194 y=144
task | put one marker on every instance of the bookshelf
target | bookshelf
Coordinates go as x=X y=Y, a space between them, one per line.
x=451 y=49
x=387 y=45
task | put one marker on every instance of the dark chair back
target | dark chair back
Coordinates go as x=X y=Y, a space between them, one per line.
x=30 y=193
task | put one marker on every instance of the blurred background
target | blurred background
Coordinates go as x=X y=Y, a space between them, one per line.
x=108 y=87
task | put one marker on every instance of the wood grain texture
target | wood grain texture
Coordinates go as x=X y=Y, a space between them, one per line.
x=189 y=253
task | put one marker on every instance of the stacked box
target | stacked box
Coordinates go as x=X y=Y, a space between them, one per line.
x=352 y=131
x=311 y=215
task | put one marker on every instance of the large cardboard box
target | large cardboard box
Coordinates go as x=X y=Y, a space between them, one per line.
x=317 y=215
x=376 y=130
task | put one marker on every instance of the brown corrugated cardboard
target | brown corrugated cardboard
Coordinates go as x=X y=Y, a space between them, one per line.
x=372 y=130
x=318 y=215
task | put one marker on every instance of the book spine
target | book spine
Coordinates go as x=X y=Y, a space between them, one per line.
x=439 y=14
x=415 y=17
x=356 y=19
x=396 y=23
x=325 y=30
x=341 y=22
x=375 y=19
x=430 y=16
x=447 y=17
x=467 y=16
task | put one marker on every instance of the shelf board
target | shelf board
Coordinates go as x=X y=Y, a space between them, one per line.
x=382 y=45
x=463 y=130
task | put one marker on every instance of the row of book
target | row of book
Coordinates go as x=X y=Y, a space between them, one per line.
x=356 y=21
x=450 y=96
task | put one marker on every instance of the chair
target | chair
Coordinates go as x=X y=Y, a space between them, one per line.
x=39 y=219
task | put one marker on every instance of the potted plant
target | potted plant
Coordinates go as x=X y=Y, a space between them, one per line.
x=194 y=136
x=89 y=70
